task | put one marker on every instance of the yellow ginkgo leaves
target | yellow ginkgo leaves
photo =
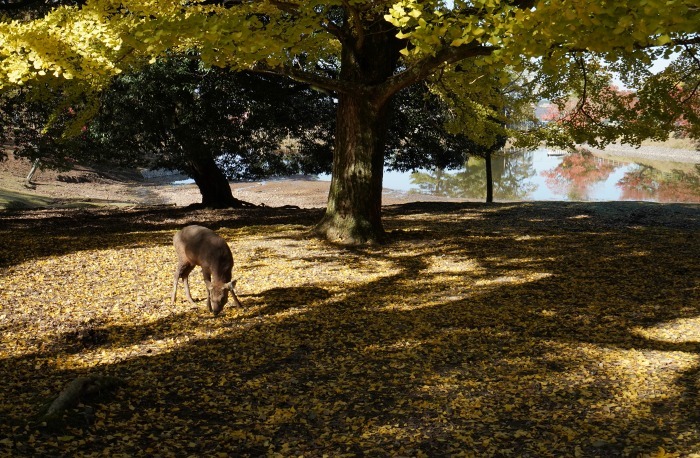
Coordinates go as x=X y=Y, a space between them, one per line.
x=506 y=330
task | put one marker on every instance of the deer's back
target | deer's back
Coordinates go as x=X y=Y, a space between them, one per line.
x=200 y=246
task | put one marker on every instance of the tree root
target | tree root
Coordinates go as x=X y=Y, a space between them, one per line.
x=235 y=203
x=238 y=203
x=74 y=391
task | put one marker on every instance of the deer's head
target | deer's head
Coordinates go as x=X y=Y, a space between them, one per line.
x=218 y=296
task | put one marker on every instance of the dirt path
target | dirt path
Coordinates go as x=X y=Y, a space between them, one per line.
x=89 y=187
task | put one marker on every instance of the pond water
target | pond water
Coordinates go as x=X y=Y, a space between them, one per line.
x=543 y=174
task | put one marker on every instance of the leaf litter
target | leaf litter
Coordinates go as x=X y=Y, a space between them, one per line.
x=541 y=329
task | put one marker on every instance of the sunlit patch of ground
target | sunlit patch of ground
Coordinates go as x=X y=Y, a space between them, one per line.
x=505 y=330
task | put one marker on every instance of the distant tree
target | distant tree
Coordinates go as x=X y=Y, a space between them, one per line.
x=211 y=124
x=588 y=107
x=420 y=135
x=33 y=127
x=438 y=128
x=215 y=125
x=483 y=109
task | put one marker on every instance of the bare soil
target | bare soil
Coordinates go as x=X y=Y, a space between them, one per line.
x=86 y=186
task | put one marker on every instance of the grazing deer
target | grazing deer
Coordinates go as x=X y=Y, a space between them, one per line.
x=199 y=246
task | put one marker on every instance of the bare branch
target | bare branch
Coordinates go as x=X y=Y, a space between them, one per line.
x=580 y=107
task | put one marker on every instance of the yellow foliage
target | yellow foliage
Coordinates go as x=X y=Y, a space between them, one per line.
x=97 y=40
x=515 y=329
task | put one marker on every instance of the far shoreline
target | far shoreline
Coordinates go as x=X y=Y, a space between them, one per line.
x=89 y=188
x=649 y=152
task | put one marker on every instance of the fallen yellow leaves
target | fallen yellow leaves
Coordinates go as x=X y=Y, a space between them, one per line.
x=555 y=336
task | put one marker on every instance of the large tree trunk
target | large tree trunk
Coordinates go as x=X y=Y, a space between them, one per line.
x=354 y=211
x=212 y=183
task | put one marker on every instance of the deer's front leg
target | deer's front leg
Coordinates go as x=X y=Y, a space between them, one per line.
x=206 y=275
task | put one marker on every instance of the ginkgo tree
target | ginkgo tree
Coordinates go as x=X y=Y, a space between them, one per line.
x=364 y=51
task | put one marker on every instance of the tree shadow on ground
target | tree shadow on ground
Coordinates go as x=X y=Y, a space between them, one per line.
x=112 y=228
x=277 y=300
x=494 y=339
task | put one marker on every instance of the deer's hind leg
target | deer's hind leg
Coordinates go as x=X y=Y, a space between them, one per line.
x=183 y=271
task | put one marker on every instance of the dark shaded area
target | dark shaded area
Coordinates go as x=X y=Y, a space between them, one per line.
x=124 y=228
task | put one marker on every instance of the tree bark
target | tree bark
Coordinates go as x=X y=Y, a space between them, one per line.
x=368 y=59
x=354 y=210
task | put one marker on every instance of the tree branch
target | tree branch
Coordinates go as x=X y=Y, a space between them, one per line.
x=687 y=41
x=313 y=79
x=287 y=7
x=8 y=5
x=523 y=4
x=584 y=96
x=693 y=57
x=335 y=30
x=423 y=68
x=18 y=5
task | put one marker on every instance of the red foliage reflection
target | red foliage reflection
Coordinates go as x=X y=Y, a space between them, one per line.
x=650 y=184
x=576 y=173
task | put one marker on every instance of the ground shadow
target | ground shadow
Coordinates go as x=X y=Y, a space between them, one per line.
x=112 y=228
x=427 y=359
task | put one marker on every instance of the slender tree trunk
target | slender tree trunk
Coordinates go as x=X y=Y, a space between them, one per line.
x=489 y=178
x=354 y=211
x=28 y=182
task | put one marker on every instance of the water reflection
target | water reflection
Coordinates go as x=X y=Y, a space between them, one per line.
x=648 y=183
x=541 y=175
x=512 y=179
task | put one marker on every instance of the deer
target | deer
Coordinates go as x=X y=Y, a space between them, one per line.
x=200 y=246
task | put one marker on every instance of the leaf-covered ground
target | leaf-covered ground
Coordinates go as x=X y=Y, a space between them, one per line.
x=530 y=329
